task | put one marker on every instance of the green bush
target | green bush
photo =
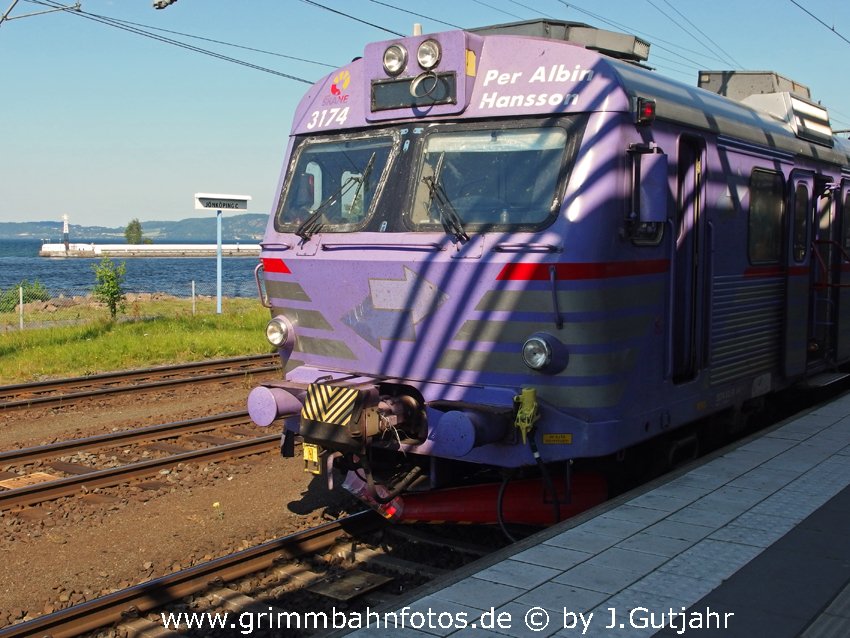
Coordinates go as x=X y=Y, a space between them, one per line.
x=109 y=287
x=32 y=292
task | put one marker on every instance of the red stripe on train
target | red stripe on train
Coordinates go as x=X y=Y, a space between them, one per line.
x=776 y=271
x=275 y=264
x=600 y=270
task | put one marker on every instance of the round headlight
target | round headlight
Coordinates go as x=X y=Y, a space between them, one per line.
x=428 y=54
x=395 y=59
x=277 y=332
x=536 y=353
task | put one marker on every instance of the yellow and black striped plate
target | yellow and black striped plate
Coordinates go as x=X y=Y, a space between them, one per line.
x=330 y=404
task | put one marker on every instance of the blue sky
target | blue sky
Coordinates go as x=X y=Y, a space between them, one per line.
x=106 y=125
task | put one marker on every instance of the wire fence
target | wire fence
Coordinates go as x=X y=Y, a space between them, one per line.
x=37 y=306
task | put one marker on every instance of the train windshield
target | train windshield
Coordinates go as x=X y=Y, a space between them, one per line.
x=480 y=179
x=333 y=184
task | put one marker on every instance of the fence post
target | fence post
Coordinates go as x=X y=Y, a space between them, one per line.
x=21 y=307
x=193 y=297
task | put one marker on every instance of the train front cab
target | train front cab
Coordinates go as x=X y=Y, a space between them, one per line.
x=639 y=300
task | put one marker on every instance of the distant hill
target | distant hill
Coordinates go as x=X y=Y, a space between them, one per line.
x=246 y=228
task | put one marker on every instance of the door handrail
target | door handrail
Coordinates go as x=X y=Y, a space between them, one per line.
x=824 y=268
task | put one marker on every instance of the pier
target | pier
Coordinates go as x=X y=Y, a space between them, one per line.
x=147 y=250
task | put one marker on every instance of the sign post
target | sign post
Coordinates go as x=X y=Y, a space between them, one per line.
x=217 y=202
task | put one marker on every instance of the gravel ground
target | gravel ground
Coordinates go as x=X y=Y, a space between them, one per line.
x=63 y=552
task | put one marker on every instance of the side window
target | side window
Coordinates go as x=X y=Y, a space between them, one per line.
x=845 y=220
x=801 y=215
x=765 y=219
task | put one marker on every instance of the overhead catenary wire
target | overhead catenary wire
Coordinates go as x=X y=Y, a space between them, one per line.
x=5 y=15
x=655 y=40
x=229 y=44
x=729 y=57
x=118 y=25
x=490 y=6
x=675 y=62
x=831 y=29
x=347 y=15
x=813 y=16
x=413 y=13
x=535 y=10
x=679 y=24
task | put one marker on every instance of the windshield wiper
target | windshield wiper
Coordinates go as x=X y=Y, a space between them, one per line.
x=313 y=224
x=452 y=222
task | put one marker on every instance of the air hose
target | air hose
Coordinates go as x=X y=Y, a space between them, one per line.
x=500 y=515
x=399 y=487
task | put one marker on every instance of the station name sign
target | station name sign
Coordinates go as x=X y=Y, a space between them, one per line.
x=216 y=201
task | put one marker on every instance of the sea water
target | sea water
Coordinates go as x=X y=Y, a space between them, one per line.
x=70 y=276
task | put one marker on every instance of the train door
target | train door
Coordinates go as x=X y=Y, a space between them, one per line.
x=688 y=263
x=842 y=345
x=824 y=275
x=798 y=285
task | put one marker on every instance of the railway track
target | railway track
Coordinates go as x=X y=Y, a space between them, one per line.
x=355 y=563
x=93 y=478
x=153 y=594
x=62 y=391
x=123 y=437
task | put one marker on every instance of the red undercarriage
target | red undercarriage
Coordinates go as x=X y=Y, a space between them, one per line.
x=524 y=502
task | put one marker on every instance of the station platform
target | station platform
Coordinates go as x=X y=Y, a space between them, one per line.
x=753 y=540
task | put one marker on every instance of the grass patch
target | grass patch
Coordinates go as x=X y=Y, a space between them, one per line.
x=158 y=334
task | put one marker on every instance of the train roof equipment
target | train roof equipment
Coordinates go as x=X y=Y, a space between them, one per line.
x=621 y=46
x=781 y=97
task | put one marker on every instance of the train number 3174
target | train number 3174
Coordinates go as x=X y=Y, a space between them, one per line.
x=327 y=117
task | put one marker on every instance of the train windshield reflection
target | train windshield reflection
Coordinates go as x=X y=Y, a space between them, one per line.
x=491 y=177
x=334 y=184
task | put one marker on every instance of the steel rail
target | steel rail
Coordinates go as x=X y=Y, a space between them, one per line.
x=141 y=372
x=149 y=433
x=153 y=594
x=138 y=387
x=69 y=486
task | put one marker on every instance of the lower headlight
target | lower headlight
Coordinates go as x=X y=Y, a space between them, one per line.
x=545 y=353
x=277 y=331
x=536 y=353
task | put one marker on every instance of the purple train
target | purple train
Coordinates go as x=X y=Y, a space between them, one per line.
x=498 y=252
